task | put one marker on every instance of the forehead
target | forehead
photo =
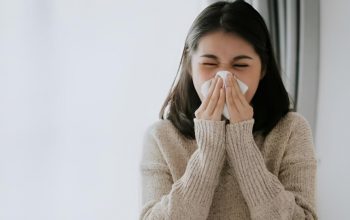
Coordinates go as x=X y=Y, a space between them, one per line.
x=225 y=44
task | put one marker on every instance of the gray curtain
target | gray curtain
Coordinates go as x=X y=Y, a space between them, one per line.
x=294 y=28
x=283 y=20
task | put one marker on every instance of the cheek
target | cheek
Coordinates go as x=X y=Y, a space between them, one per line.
x=199 y=76
x=197 y=85
x=250 y=94
x=253 y=86
x=252 y=81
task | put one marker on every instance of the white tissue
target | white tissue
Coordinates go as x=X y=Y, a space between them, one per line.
x=223 y=74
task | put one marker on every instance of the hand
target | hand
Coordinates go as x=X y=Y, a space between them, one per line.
x=213 y=106
x=238 y=107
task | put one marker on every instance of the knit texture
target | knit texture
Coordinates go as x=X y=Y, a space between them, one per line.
x=228 y=172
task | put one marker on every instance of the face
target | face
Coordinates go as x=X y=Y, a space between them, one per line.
x=225 y=51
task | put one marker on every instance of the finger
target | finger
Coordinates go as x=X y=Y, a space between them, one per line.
x=211 y=90
x=230 y=103
x=235 y=95
x=214 y=98
x=205 y=102
x=229 y=100
x=220 y=105
x=239 y=92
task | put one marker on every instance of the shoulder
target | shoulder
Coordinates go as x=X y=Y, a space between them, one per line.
x=293 y=122
x=160 y=142
x=160 y=134
x=160 y=128
x=293 y=127
x=295 y=132
x=152 y=153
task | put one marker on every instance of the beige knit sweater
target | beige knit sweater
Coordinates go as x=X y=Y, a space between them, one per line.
x=229 y=173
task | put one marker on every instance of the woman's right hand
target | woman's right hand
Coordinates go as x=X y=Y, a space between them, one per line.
x=213 y=106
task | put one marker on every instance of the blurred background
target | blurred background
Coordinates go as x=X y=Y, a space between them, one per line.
x=80 y=81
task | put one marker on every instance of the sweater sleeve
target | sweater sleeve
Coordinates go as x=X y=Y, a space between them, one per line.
x=291 y=195
x=189 y=197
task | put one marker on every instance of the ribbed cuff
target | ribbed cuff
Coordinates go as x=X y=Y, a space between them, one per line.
x=205 y=165
x=257 y=184
x=209 y=133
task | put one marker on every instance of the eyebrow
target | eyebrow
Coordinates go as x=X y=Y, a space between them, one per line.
x=239 y=57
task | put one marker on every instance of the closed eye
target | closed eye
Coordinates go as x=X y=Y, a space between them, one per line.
x=209 y=64
x=240 y=65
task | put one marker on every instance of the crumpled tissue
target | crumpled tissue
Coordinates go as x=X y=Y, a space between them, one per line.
x=223 y=74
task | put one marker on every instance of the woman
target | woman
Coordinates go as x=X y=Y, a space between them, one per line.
x=258 y=164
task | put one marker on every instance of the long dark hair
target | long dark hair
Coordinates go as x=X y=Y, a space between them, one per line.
x=271 y=100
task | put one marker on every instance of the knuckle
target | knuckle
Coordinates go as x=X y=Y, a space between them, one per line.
x=198 y=113
x=235 y=96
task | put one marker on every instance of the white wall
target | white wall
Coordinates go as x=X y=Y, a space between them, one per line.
x=332 y=133
x=79 y=83
x=81 y=80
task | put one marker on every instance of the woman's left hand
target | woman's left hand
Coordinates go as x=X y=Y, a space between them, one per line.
x=238 y=107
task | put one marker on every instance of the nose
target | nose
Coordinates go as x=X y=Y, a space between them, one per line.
x=225 y=67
